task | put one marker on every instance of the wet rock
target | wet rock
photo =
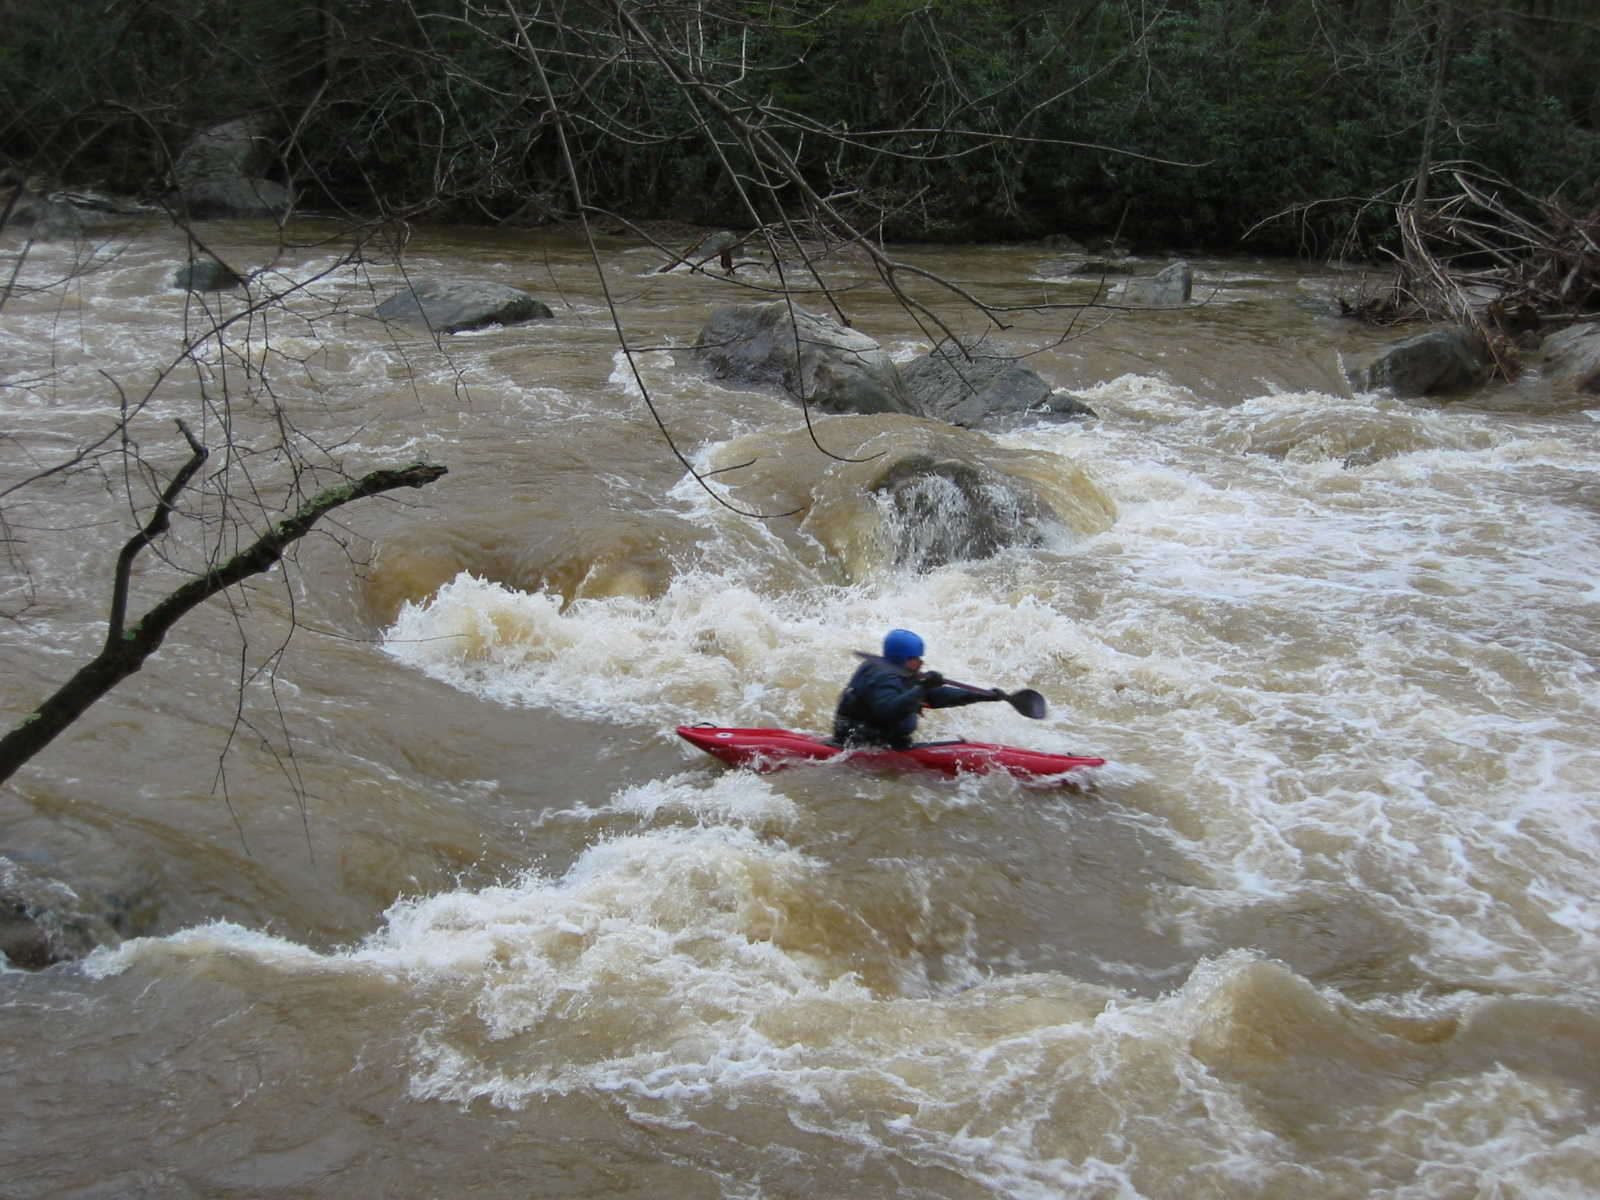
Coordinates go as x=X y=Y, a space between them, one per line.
x=719 y=245
x=838 y=370
x=986 y=390
x=43 y=921
x=1452 y=359
x=222 y=173
x=205 y=275
x=1572 y=357
x=943 y=511
x=1169 y=287
x=452 y=305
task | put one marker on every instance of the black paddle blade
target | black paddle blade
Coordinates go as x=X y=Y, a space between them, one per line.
x=1027 y=702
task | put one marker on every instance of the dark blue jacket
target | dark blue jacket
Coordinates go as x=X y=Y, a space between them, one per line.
x=881 y=703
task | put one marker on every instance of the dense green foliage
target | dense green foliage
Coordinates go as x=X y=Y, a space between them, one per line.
x=1189 y=122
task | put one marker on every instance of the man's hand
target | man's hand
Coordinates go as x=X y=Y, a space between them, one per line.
x=930 y=680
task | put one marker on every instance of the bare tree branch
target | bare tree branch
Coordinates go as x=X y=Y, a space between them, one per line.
x=125 y=654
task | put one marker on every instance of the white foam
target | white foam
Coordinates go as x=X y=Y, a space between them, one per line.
x=710 y=649
x=661 y=973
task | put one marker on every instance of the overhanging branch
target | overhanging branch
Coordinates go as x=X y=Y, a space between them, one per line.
x=128 y=646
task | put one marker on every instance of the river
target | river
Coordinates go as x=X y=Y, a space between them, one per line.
x=404 y=886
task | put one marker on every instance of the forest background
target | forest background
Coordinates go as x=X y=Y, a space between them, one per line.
x=1284 y=126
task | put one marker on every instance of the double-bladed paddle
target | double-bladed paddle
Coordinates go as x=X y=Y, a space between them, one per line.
x=1026 y=701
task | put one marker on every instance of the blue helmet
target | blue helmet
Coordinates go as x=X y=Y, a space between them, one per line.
x=900 y=645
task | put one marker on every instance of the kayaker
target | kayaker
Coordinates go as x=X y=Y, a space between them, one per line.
x=881 y=703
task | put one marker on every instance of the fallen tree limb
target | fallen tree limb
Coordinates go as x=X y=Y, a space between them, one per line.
x=1481 y=252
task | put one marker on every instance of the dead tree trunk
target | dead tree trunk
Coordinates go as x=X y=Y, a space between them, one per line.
x=1413 y=213
x=128 y=646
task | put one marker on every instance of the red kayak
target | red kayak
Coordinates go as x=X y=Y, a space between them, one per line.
x=771 y=749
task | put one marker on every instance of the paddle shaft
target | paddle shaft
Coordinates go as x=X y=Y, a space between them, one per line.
x=969 y=687
x=1026 y=701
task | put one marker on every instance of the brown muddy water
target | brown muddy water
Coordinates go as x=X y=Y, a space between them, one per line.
x=402 y=885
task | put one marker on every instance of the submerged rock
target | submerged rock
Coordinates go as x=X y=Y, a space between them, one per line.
x=452 y=305
x=42 y=217
x=43 y=921
x=1086 y=267
x=771 y=345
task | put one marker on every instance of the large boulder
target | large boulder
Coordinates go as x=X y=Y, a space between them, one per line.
x=222 y=173
x=451 y=305
x=1572 y=357
x=943 y=510
x=806 y=355
x=985 y=389
x=1451 y=359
